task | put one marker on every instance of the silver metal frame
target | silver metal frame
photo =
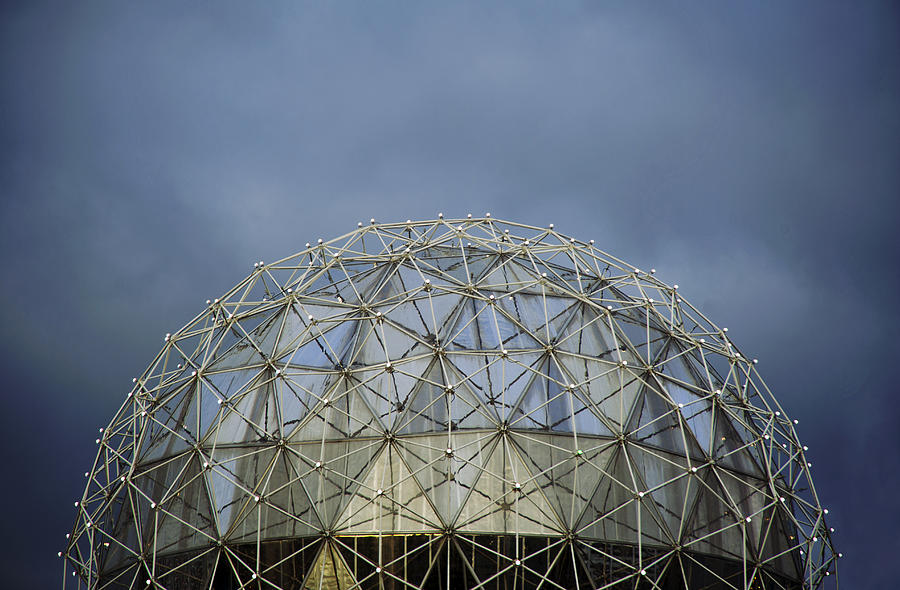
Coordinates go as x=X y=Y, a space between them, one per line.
x=449 y=403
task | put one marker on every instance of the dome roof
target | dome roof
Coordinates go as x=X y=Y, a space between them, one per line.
x=469 y=401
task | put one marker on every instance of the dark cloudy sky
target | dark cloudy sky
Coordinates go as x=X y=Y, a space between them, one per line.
x=149 y=152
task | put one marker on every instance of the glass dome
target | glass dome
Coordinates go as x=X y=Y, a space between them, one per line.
x=449 y=404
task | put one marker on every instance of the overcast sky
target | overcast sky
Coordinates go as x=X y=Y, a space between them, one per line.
x=151 y=151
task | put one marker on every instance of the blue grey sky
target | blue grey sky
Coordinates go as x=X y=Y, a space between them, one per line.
x=152 y=151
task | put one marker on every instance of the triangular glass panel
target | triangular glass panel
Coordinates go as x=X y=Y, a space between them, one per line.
x=552 y=403
x=655 y=422
x=587 y=334
x=471 y=402
x=329 y=572
x=777 y=538
x=612 y=389
x=284 y=508
x=413 y=317
x=389 y=500
x=227 y=384
x=478 y=264
x=507 y=499
x=445 y=262
x=447 y=478
x=617 y=513
x=566 y=475
x=299 y=392
x=154 y=486
x=367 y=347
x=541 y=315
x=171 y=428
x=500 y=332
x=633 y=333
x=253 y=415
x=695 y=409
x=506 y=275
x=267 y=335
x=323 y=347
x=670 y=483
x=728 y=447
x=437 y=311
x=185 y=519
x=749 y=498
x=427 y=410
x=125 y=541
x=714 y=526
x=333 y=472
x=462 y=334
x=342 y=413
x=387 y=290
x=234 y=476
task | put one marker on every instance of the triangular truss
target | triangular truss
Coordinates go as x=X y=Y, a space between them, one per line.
x=444 y=404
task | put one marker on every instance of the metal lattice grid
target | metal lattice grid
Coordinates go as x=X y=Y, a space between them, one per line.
x=447 y=404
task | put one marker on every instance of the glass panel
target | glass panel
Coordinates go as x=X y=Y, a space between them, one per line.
x=284 y=509
x=298 y=393
x=464 y=332
x=611 y=388
x=234 y=476
x=472 y=404
x=341 y=466
x=252 y=415
x=587 y=334
x=447 y=479
x=357 y=285
x=714 y=527
x=447 y=261
x=125 y=543
x=747 y=500
x=388 y=501
x=542 y=316
x=502 y=276
x=729 y=449
x=346 y=415
x=171 y=428
x=697 y=411
x=438 y=310
x=616 y=513
x=532 y=411
x=668 y=481
x=427 y=409
x=329 y=572
x=325 y=346
x=185 y=518
x=655 y=423
x=567 y=478
x=776 y=539
x=498 y=331
x=506 y=499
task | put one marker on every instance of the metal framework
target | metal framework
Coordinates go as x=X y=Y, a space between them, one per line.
x=445 y=404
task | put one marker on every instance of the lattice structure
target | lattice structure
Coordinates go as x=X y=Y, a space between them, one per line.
x=450 y=404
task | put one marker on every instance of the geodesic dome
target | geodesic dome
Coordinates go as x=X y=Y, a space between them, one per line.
x=450 y=404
